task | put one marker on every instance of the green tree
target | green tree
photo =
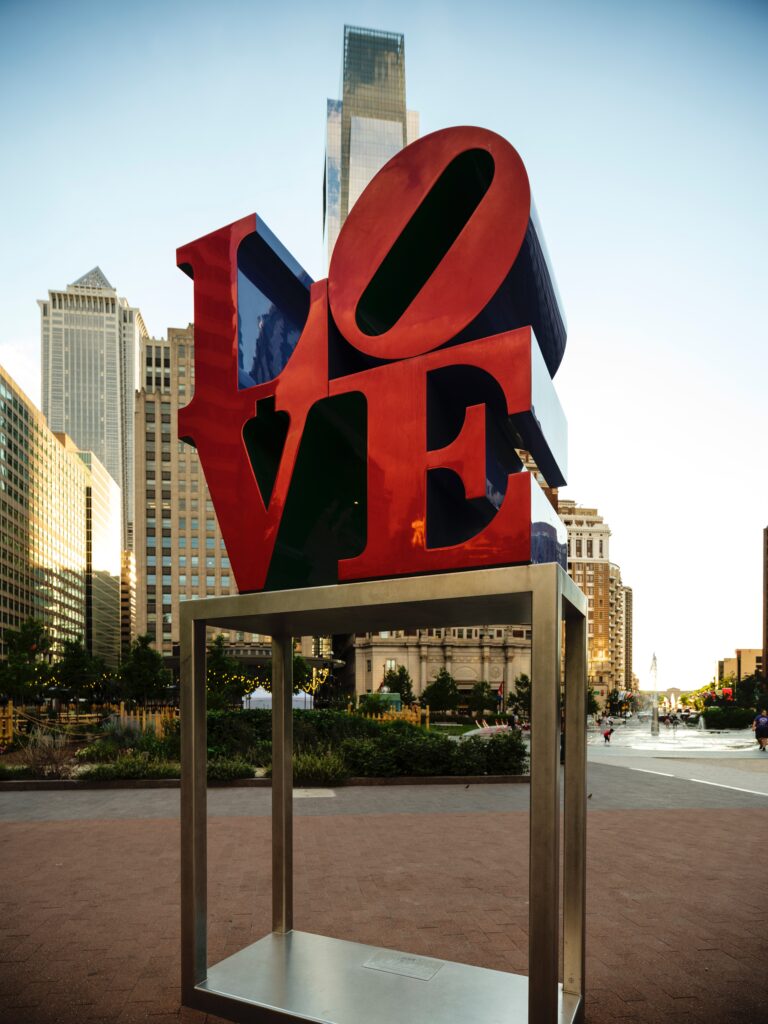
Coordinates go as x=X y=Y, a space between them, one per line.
x=398 y=680
x=521 y=700
x=143 y=677
x=75 y=672
x=442 y=694
x=26 y=670
x=592 y=706
x=482 y=698
x=226 y=682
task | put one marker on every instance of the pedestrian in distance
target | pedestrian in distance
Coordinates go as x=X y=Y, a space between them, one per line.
x=760 y=725
x=607 y=733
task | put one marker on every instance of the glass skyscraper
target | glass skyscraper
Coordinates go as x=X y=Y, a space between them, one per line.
x=59 y=532
x=368 y=125
x=91 y=346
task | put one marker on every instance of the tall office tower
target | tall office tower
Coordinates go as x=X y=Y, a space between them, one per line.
x=368 y=125
x=179 y=549
x=629 y=675
x=103 y=563
x=127 y=600
x=91 y=342
x=591 y=569
x=44 y=523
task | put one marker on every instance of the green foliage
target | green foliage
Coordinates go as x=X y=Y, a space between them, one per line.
x=26 y=670
x=132 y=766
x=224 y=769
x=441 y=694
x=728 y=717
x=506 y=754
x=45 y=752
x=143 y=677
x=592 y=706
x=260 y=754
x=226 y=681
x=233 y=733
x=99 y=752
x=482 y=698
x=398 y=680
x=521 y=700
x=373 y=704
x=401 y=749
x=76 y=671
x=318 y=767
x=8 y=772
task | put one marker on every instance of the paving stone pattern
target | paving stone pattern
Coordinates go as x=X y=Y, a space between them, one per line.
x=89 y=908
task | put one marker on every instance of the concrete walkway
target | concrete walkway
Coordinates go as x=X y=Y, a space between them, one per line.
x=89 y=902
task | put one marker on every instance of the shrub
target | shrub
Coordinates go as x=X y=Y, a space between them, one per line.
x=132 y=766
x=469 y=758
x=45 y=753
x=506 y=754
x=98 y=752
x=728 y=717
x=367 y=758
x=224 y=769
x=15 y=771
x=318 y=767
x=260 y=754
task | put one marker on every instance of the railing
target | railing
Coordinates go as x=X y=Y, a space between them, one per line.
x=7 y=723
x=413 y=714
x=158 y=719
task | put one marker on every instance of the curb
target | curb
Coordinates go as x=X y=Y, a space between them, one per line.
x=26 y=785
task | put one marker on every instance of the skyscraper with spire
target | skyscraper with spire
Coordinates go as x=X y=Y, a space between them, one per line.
x=91 y=347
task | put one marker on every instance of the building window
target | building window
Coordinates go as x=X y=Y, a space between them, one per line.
x=390 y=665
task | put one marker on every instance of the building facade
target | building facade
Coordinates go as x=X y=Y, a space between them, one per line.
x=765 y=603
x=745 y=663
x=494 y=654
x=103 y=554
x=610 y=603
x=51 y=500
x=368 y=125
x=179 y=550
x=91 y=342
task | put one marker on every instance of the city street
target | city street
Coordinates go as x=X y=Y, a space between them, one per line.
x=89 y=913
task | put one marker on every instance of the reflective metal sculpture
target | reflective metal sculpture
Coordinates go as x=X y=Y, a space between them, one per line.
x=368 y=425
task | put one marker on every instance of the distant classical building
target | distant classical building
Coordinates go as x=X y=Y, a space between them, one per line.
x=91 y=342
x=746 y=662
x=368 y=125
x=59 y=553
x=609 y=624
x=492 y=654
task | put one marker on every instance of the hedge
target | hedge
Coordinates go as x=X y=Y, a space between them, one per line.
x=728 y=718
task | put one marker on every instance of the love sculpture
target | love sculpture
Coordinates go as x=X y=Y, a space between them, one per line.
x=369 y=425
x=363 y=437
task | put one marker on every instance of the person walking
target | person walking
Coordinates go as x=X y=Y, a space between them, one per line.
x=607 y=732
x=760 y=725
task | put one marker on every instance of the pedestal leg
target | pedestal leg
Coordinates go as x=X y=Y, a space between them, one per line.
x=543 y=928
x=194 y=744
x=282 y=784
x=575 y=806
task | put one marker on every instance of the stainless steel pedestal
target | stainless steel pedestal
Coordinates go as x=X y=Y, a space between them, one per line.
x=294 y=976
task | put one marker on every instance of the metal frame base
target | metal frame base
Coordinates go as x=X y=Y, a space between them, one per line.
x=295 y=976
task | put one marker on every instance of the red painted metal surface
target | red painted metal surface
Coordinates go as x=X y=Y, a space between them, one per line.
x=468 y=275
x=398 y=459
x=398 y=462
x=215 y=418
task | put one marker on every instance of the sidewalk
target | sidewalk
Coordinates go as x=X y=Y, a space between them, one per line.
x=89 y=907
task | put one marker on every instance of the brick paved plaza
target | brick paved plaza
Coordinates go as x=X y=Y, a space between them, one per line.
x=676 y=932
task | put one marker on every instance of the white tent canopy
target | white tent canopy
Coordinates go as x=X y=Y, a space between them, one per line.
x=261 y=698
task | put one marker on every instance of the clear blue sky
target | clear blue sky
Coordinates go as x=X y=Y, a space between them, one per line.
x=129 y=129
